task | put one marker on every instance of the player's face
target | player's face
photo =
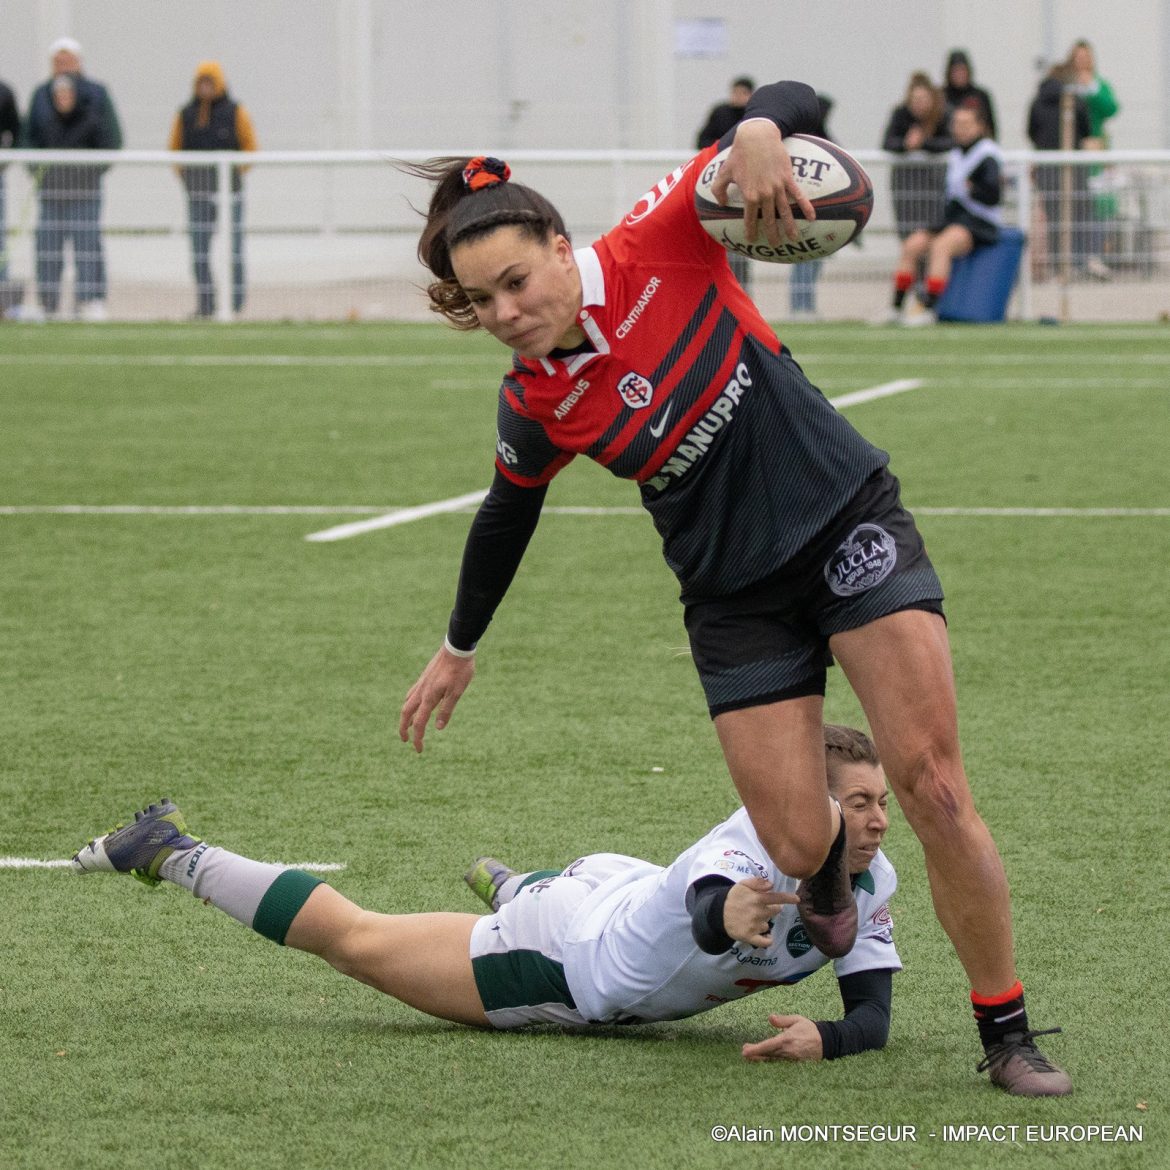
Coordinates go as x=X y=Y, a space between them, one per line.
x=965 y=126
x=861 y=791
x=525 y=292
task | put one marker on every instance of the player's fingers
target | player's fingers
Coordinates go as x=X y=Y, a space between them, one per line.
x=779 y=1021
x=720 y=185
x=445 y=709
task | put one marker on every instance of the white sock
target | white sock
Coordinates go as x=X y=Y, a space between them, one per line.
x=231 y=883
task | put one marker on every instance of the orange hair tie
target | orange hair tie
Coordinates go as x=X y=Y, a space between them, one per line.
x=485 y=171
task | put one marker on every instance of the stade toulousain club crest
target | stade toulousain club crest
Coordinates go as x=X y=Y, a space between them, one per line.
x=865 y=558
x=636 y=391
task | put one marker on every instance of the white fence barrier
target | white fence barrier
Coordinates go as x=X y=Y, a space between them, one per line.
x=331 y=235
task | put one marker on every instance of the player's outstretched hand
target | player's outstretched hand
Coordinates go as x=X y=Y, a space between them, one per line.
x=797 y=1039
x=760 y=167
x=750 y=907
x=438 y=689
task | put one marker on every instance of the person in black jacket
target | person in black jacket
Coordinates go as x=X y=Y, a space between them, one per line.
x=722 y=119
x=9 y=135
x=917 y=130
x=959 y=89
x=971 y=214
x=1044 y=131
x=70 y=199
x=212 y=120
x=96 y=109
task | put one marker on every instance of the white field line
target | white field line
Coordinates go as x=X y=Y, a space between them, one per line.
x=882 y=391
x=402 y=516
x=65 y=863
x=192 y=509
x=458 y=503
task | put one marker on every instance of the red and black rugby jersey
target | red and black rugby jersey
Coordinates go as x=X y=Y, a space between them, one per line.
x=739 y=458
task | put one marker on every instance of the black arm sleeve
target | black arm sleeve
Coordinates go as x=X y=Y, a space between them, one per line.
x=705 y=901
x=495 y=546
x=987 y=182
x=792 y=105
x=867 y=996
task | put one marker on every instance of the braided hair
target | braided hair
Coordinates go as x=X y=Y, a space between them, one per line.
x=472 y=198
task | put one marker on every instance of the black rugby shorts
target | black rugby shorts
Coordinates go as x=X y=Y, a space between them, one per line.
x=770 y=640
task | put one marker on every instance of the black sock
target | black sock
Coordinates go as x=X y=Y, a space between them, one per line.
x=997 y=1015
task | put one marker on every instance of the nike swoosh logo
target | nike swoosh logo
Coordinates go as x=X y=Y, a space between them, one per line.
x=658 y=430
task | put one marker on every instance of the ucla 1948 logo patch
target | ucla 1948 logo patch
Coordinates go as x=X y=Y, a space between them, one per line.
x=865 y=558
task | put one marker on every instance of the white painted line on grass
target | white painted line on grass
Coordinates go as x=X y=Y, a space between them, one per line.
x=402 y=516
x=458 y=503
x=65 y=863
x=882 y=391
x=1087 y=513
x=191 y=509
x=390 y=360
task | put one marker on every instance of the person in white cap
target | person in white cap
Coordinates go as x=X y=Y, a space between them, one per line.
x=93 y=100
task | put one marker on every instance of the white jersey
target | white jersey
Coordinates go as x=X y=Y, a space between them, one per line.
x=629 y=955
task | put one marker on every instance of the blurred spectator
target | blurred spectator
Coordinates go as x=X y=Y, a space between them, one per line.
x=1055 y=213
x=92 y=123
x=1101 y=105
x=726 y=115
x=959 y=89
x=211 y=120
x=9 y=133
x=918 y=128
x=802 y=283
x=971 y=216
x=70 y=202
x=1100 y=101
x=722 y=118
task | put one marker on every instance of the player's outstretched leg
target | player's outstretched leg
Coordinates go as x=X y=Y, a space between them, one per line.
x=139 y=848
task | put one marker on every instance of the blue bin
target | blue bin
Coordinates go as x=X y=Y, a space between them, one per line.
x=981 y=282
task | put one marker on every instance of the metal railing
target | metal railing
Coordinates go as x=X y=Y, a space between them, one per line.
x=332 y=234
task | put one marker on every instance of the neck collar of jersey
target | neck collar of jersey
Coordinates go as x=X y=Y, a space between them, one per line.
x=592 y=293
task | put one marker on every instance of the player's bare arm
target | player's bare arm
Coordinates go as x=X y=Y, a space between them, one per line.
x=438 y=689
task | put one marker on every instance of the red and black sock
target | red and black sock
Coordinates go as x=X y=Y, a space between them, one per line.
x=903 y=283
x=997 y=1015
x=935 y=287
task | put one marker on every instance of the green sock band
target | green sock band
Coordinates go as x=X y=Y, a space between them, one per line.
x=282 y=902
x=538 y=876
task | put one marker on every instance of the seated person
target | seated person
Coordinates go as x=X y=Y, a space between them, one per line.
x=971 y=216
x=609 y=940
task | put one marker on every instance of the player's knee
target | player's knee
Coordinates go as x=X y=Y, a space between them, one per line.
x=933 y=789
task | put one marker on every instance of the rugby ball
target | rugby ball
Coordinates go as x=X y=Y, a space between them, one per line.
x=835 y=183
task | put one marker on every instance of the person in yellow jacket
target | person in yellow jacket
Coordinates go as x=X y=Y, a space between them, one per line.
x=212 y=120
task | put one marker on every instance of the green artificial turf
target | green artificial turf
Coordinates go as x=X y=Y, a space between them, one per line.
x=256 y=677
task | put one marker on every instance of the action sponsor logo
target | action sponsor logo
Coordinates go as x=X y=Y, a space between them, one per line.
x=571 y=399
x=865 y=558
x=760 y=869
x=696 y=442
x=786 y=250
x=797 y=941
x=632 y=317
x=653 y=198
x=506 y=452
x=753 y=960
x=636 y=391
x=195 y=856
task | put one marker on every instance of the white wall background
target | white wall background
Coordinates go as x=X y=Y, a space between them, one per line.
x=495 y=74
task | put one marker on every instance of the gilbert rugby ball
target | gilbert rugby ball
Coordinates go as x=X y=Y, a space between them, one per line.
x=835 y=183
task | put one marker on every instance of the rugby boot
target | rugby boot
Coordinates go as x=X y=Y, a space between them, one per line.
x=1018 y=1067
x=138 y=849
x=827 y=907
x=485 y=877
